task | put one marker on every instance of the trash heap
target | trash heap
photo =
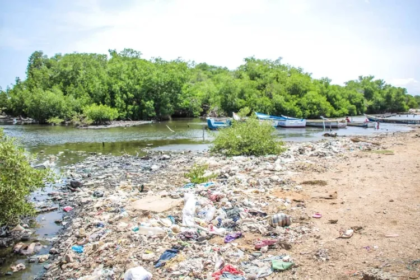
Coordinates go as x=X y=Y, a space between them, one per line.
x=138 y=217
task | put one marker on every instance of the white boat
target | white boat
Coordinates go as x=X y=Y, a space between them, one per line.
x=329 y=123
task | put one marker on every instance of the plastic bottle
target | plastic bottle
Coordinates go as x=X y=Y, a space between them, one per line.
x=189 y=210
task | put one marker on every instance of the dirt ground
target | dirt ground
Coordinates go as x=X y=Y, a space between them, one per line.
x=378 y=195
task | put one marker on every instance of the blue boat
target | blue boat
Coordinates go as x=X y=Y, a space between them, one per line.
x=213 y=124
x=283 y=121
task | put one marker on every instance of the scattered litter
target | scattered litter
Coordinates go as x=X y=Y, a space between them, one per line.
x=67 y=208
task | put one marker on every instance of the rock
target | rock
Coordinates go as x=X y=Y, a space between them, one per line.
x=18 y=267
x=53 y=251
x=47 y=266
x=32 y=260
x=69 y=258
x=154 y=167
x=18 y=228
x=76 y=184
x=165 y=157
x=43 y=258
x=25 y=237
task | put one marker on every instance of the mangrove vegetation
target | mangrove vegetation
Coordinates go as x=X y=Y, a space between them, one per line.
x=122 y=85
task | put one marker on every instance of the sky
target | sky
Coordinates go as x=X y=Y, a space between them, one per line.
x=338 y=39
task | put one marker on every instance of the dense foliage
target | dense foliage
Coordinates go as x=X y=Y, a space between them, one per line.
x=250 y=137
x=100 y=113
x=62 y=85
x=17 y=180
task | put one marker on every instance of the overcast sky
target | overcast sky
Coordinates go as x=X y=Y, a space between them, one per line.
x=339 y=39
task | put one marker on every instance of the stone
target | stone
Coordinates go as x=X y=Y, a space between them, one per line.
x=53 y=251
x=165 y=157
x=75 y=184
x=43 y=258
x=154 y=167
x=69 y=258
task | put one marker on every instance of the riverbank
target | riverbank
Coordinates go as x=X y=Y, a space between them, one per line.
x=108 y=220
x=113 y=124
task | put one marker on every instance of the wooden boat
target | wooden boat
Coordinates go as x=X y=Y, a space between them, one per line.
x=283 y=121
x=329 y=123
x=236 y=117
x=362 y=124
x=389 y=120
x=214 y=124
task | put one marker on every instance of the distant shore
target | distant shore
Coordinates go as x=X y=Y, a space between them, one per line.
x=116 y=124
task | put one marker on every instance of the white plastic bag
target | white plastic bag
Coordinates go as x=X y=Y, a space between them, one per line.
x=137 y=273
x=189 y=210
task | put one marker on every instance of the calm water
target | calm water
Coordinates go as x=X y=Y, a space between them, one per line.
x=71 y=145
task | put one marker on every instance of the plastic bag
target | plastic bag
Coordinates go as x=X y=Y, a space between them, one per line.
x=137 y=273
x=189 y=210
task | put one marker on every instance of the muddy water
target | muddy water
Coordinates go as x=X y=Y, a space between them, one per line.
x=71 y=145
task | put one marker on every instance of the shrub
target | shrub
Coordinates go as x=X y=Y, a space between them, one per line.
x=80 y=120
x=196 y=174
x=17 y=180
x=244 y=112
x=100 y=113
x=55 y=121
x=247 y=138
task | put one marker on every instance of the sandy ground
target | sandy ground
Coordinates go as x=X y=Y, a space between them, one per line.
x=377 y=194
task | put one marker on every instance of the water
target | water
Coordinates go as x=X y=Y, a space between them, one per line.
x=72 y=145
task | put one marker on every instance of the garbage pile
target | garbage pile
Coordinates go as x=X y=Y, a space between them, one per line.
x=137 y=218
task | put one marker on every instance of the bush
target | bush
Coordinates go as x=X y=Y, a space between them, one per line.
x=247 y=138
x=100 y=113
x=17 y=180
x=55 y=121
x=80 y=120
x=196 y=174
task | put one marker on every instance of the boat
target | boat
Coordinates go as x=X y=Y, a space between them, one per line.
x=262 y=116
x=214 y=124
x=390 y=120
x=283 y=121
x=327 y=123
x=362 y=124
x=236 y=117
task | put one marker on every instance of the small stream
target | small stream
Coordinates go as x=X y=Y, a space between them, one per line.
x=70 y=145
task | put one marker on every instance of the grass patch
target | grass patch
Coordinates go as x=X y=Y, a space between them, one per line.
x=315 y=182
x=383 y=152
x=196 y=174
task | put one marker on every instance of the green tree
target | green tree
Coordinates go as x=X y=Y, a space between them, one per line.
x=17 y=180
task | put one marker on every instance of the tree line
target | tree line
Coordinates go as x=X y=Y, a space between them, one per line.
x=123 y=85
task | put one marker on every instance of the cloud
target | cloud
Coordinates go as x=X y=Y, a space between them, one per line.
x=411 y=84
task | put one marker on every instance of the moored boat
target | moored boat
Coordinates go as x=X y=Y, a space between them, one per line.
x=390 y=120
x=362 y=124
x=214 y=124
x=283 y=121
x=329 y=123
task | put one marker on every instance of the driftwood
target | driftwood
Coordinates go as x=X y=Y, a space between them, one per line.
x=43 y=210
x=356 y=140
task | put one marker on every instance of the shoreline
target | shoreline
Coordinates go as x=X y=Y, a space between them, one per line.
x=116 y=124
x=243 y=181
x=270 y=184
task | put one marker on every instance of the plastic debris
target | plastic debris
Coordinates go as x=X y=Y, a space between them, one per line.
x=226 y=269
x=67 y=208
x=137 y=273
x=232 y=236
x=167 y=255
x=281 y=265
x=77 y=249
